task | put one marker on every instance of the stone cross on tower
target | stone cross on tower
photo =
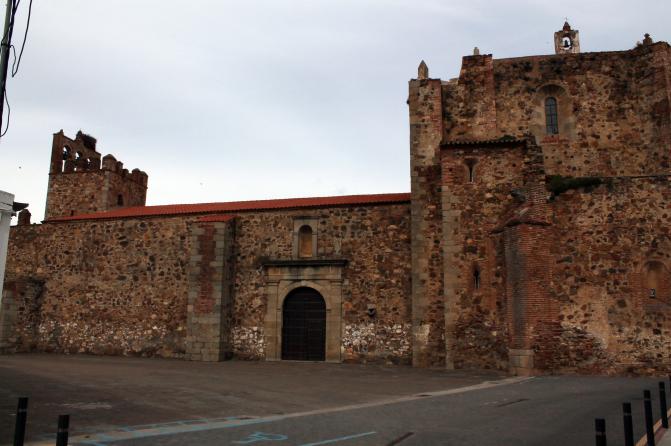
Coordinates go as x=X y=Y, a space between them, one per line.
x=567 y=40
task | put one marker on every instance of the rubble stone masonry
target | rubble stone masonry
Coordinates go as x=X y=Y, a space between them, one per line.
x=536 y=238
x=149 y=286
x=613 y=245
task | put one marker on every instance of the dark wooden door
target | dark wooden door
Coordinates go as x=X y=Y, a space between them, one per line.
x=304 y=326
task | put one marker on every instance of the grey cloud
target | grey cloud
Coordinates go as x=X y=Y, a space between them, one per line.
x=224 y=100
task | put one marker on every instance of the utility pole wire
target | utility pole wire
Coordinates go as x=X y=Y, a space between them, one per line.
x=17 y=62
x=5 y=48
x=4 y=56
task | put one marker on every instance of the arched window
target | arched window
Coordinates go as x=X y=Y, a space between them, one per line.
x=551 y=121
x=476 y=278
x=119 y=200
x=305 y=241
x=66 y=156
x=566 y=43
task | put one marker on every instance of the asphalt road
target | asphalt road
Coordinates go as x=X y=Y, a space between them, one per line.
x=542 y=411
x=135 y=401
x=104 y=393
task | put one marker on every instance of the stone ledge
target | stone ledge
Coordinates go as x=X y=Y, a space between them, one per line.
x=305 y=262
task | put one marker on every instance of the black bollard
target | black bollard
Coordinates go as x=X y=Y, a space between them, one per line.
x=62 y=434
x=20 y=426
x=600 y=428
x=628 y=425
x=647 y=405
x=662 y=405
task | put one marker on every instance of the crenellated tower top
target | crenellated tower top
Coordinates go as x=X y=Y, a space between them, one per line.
x=81 y=181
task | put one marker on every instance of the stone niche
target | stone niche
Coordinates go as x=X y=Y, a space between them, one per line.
x=284 y=276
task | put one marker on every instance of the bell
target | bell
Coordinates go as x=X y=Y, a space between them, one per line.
x=567 y=44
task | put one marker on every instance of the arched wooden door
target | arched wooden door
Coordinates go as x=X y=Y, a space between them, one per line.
x=304 y=326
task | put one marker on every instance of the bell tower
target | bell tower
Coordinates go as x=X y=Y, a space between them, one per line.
x=567 y=40
x=81 y=181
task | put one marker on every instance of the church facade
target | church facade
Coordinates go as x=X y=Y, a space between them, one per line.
x=535 y=239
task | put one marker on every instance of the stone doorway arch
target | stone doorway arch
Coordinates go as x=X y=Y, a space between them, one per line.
x=282 y=277
x=304 y=326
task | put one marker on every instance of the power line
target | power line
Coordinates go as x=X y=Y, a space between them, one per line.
x=17 y=62
x=9 y=113
x=6 y=46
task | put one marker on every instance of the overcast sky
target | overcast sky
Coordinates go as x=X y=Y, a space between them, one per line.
x=234 y=100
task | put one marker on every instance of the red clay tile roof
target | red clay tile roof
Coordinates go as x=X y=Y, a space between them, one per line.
x=239 y=206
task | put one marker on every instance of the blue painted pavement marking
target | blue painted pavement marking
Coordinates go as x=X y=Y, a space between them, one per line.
x=123 y=435
x=260 y=436
x=336 y=440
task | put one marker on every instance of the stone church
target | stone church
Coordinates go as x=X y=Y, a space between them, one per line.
x=536 y=238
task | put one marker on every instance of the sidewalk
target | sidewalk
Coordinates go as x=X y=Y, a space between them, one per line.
x=662 y=436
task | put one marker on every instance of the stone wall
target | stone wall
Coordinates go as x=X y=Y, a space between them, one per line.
x=375 y=241
x=614 y=107
x=210 y=285
x=428 y=305
x=20 y=315
x=110 y=286
x=474 y=205
x=606 y=240
x=563 y=282
x=503 y=280
x=138 y=286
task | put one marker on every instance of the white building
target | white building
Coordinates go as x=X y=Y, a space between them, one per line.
x=6 y=210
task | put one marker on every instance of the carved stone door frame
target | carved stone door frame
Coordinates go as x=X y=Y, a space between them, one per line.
x=284 y=276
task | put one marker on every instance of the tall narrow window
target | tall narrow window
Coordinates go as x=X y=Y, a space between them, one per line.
x=119 y=200
x=476 y=278
x=66 y=156
x=551 y=121
x=305 y=241
x=470 y=163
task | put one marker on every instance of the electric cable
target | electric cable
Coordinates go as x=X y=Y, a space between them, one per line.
x=17 y=62
x=9 y=113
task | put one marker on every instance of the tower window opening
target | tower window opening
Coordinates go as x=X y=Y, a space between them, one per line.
x=551 y=119
x=66 y=156
x=79 y=159
x=567 y=43
x=476 y=278
x=470 y=164
x=119 y=200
